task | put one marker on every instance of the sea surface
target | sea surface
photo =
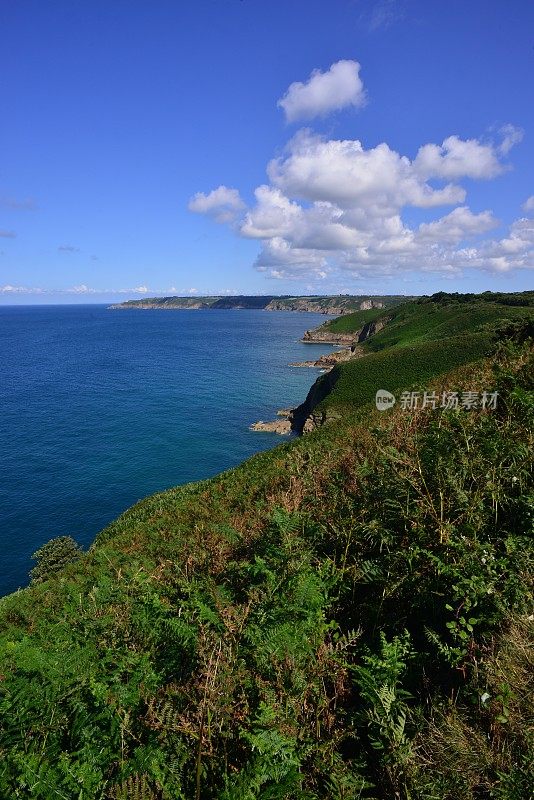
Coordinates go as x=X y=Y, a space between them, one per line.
x=100 y=408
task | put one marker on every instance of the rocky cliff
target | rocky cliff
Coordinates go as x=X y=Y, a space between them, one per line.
x=323 y=335
x=318 y=336
x=304 y=418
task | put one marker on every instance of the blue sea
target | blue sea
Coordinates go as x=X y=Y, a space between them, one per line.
x=100 y=408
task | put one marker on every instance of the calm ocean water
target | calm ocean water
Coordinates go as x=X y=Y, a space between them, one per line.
x=100 y=408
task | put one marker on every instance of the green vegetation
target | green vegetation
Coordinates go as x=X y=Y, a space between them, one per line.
x=53 y=556
x=420 y=339
x=352 y=322
x=429 y=320
x=346 y=616
x=325 y=304
x=435 y=317
x=409 y=367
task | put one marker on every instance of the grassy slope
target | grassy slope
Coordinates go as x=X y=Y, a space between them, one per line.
x=416 y=322
x=437 y=316
x=399 y=369
x=352 y=322
x=421 y=339
x=296 y=627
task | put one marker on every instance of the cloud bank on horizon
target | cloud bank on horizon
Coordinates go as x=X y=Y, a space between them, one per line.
x=333 y=207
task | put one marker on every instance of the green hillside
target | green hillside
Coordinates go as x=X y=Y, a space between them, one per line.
x=346 y=616
x=436 y=317
x=352 y=322
x=356 y=382
x=421 y=339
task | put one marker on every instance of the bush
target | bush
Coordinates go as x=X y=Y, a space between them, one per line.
x=53 y=556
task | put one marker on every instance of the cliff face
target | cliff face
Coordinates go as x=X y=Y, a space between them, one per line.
x=323 y=305
x=371 y=328
x=303 y=418
x=318 y=336
x=322 y=335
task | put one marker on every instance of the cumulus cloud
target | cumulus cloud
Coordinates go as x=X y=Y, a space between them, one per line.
x=457 y=158
x=281 y=261
x=273 y=215
x=334 y=206
x=7 y=234
x=80 y=289
x=223 y=204
x=457 y=226
x=339 y=87
x=345 y=173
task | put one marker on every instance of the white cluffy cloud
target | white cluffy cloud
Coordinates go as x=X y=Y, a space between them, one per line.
x=335 y=205
x=223 y=204
x=457 y=226
x=457 y=158
x=345 y=173
x=339 y=87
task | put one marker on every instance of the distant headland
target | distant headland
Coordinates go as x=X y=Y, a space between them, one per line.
x=321 y=304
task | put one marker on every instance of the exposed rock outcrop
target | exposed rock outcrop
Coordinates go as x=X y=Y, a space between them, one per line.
x=322 y=335
x=281 y=426
x=305 y=418
x=329 y=360
x=370 y=328
x=318 y=336
x=365 y=305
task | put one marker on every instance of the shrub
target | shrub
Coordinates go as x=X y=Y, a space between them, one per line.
x=53 y=556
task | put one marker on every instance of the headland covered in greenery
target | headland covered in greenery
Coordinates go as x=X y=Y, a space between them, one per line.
x=346 y=616
x=321 y=304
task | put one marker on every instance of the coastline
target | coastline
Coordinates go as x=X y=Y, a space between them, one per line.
x=300 y=419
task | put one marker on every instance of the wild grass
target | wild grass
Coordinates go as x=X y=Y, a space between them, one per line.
x=321 y=622
x=399 y=369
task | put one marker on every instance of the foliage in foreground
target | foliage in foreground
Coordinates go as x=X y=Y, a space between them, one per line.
x=344 y=617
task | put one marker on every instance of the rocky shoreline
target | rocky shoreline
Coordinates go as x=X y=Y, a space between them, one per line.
x=303 y=418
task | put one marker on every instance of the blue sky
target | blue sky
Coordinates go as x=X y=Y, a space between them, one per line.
x=354 y=147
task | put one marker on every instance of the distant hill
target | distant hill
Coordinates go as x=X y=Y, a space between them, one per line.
x=322 y=304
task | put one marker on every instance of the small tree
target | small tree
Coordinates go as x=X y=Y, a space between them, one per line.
x=53 y=556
